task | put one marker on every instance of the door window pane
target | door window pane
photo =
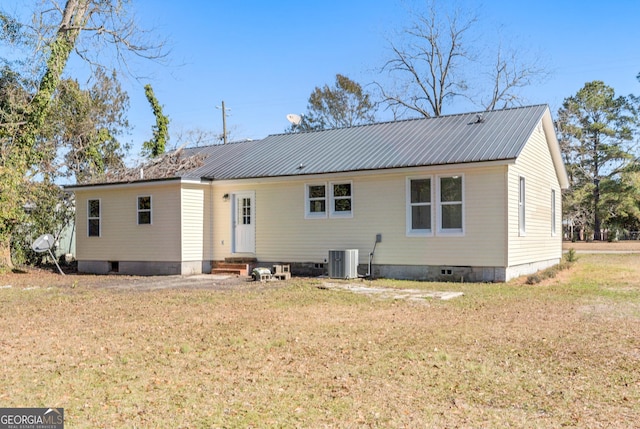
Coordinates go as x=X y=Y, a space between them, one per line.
x=246 y=211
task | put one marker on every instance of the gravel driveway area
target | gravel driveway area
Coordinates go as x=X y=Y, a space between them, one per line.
x=34 y=278
x=199 y=281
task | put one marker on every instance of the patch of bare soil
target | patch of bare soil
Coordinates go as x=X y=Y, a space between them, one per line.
x=559 y=278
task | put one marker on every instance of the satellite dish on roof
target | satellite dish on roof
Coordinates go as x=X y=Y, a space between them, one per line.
x=294 y=119
x=44 y=243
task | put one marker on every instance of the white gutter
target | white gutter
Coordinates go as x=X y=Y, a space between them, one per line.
x=136 y=184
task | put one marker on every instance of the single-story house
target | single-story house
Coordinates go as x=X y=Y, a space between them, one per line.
x=468 y=196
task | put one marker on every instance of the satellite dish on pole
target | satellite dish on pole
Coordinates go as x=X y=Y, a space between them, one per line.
x=294 y=119
x=44 y=243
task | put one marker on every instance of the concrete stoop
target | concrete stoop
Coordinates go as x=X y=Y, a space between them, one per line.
x=238 y=266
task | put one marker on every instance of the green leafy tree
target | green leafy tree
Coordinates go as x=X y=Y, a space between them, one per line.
x=345 y=104
x=49 y=210
x=80 y=126
x=80 y=26
x=87 y=123
x=157 y=145
x=13 y=101
x=620 y=199
x=597 y=130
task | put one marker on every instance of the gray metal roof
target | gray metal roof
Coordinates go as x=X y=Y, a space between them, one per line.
x=452 y=139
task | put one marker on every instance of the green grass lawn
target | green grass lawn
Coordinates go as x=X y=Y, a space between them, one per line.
x=561 y=353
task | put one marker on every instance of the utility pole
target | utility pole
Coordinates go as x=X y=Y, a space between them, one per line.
x=224 y=122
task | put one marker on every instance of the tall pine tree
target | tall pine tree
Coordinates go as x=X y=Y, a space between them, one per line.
x=597 y=130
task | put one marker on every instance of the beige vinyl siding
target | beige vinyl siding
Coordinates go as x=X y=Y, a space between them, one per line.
x=193 y=206
x=482 y=242
x=121 y=238
x=379 y=207
x=536 y=166
x=208 y=239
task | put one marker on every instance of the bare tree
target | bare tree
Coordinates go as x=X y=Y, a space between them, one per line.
x=508 y=75
x=57 y=33
x=163 y=166
x=195 y=137
x=439 y=59
x=95 y=28
x=428 y=62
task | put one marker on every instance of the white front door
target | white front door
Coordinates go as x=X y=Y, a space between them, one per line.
x=244 y=222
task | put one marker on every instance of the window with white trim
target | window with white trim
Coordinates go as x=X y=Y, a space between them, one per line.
x=93 y=218
x=316 y=201
x=522 y=226
x=144 y=210
x=553 y=212
x=419 y=206
x=451 y=204
x=341 y=199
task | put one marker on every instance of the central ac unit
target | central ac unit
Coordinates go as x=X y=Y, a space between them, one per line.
x=343 y=264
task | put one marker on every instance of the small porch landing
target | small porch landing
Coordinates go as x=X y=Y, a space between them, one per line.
x=238 y=266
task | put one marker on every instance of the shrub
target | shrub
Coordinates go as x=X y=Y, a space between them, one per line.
x=571 y=256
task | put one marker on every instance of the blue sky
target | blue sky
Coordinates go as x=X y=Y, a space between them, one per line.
x=264 y=58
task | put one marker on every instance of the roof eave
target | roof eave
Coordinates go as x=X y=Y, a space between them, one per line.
x=554 y=149
x=447 y=166
x=148 y=182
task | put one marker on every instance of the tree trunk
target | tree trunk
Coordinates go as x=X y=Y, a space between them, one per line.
x=74 y=18
x=22 y=156
x=5 y=256
x=596 y=216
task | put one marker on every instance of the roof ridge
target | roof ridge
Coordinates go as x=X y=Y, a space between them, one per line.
x=397 y=121
x=224 y=144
